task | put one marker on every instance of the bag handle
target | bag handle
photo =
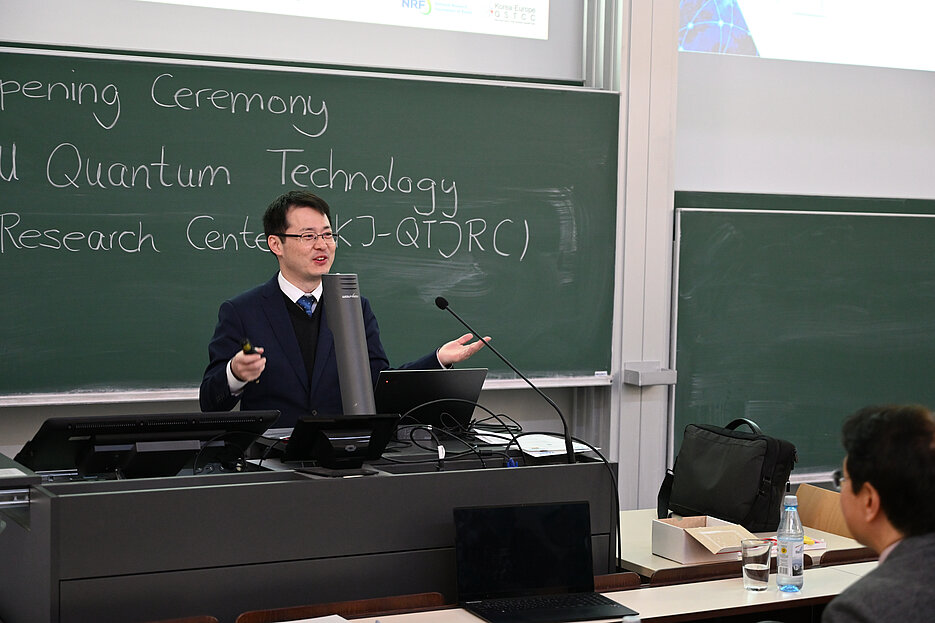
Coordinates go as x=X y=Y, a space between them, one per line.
x=665 y=492
x=741 y=421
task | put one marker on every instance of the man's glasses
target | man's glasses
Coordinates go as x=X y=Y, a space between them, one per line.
x=838 y=478
x=310 y=237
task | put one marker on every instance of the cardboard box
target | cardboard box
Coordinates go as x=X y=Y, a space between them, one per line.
x=691 y=540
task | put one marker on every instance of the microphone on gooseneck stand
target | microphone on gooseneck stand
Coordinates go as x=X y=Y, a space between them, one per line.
x=442 y=303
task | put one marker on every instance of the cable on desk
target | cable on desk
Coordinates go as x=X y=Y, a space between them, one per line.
x=508 y=429
x=472 y=450
x=514 y=428
x=615 y=498
x=240 y=463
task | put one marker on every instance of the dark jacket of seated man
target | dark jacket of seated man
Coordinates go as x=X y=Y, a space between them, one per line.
x=888 y=501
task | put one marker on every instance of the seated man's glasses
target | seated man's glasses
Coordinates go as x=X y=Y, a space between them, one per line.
x=838 y=477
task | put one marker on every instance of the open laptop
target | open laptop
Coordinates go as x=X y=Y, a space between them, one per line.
x=529 y=563
x=442 y=398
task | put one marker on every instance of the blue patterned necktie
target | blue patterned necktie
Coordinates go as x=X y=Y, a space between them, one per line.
x=307 y=303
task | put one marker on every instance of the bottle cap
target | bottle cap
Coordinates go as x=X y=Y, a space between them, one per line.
x=790 y=500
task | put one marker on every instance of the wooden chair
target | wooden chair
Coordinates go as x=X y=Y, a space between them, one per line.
x=844 y=556
x=703 y=572
x=616 y=582
x=378 y=606
x=820 y=509
x=696 y=573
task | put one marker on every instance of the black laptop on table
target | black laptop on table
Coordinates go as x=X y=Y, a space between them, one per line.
x=443 y=398
x=529 y=564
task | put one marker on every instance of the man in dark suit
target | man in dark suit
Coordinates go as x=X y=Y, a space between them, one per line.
x=888 y=500
x=294 y=369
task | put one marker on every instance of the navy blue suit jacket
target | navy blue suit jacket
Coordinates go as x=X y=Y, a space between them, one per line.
x=261 y=315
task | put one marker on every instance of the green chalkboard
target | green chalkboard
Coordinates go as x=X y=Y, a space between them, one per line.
x=801 y=312
x=132 y=191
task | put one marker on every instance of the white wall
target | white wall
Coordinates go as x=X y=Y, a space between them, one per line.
x=639 y=415
x=755 y=125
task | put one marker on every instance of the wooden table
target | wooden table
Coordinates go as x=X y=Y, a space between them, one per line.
x=636 y=552
x=713 y=600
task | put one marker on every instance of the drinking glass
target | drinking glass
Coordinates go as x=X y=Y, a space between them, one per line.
x=755 y=556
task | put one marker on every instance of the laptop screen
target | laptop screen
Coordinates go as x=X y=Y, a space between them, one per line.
x=413 y=395
x=515 y=551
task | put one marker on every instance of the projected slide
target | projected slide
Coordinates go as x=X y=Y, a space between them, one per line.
x=854 y=32
x=714 y=26
x=520 y=18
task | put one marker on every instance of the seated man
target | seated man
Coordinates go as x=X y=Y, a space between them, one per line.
x=294 y=368
x=888 y=501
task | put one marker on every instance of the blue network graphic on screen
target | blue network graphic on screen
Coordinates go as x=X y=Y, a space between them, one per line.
x=714 y=26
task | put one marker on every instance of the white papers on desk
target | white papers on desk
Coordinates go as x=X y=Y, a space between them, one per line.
x=536 y=445
x=815 y=544
x=331 y=618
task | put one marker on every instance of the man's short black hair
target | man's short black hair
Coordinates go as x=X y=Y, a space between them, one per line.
x=893 y=448
x=274 y=220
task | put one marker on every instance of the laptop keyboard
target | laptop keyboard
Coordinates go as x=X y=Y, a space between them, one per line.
x=568 y=601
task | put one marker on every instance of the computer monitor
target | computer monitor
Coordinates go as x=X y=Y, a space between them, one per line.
x=339 y=443
x=443 y=398
x=141 y=446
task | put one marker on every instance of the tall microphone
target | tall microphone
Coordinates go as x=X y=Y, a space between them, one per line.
x=442 y=304
x=341 y=298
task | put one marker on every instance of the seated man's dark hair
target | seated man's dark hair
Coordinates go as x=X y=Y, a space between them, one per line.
x=893 y=448
x=274 y=219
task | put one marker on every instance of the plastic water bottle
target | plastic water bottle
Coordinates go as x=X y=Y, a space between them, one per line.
x=790 y=547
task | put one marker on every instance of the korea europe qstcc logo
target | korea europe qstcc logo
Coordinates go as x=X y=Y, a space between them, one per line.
x=513 y=12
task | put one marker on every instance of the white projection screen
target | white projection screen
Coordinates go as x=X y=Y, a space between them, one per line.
x=809 y=97
x=849 y=32
x=539 y=40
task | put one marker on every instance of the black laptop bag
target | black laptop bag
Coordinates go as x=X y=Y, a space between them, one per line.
x=731 y=474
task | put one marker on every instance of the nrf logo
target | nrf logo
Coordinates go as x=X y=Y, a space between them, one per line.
x=424 y=6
